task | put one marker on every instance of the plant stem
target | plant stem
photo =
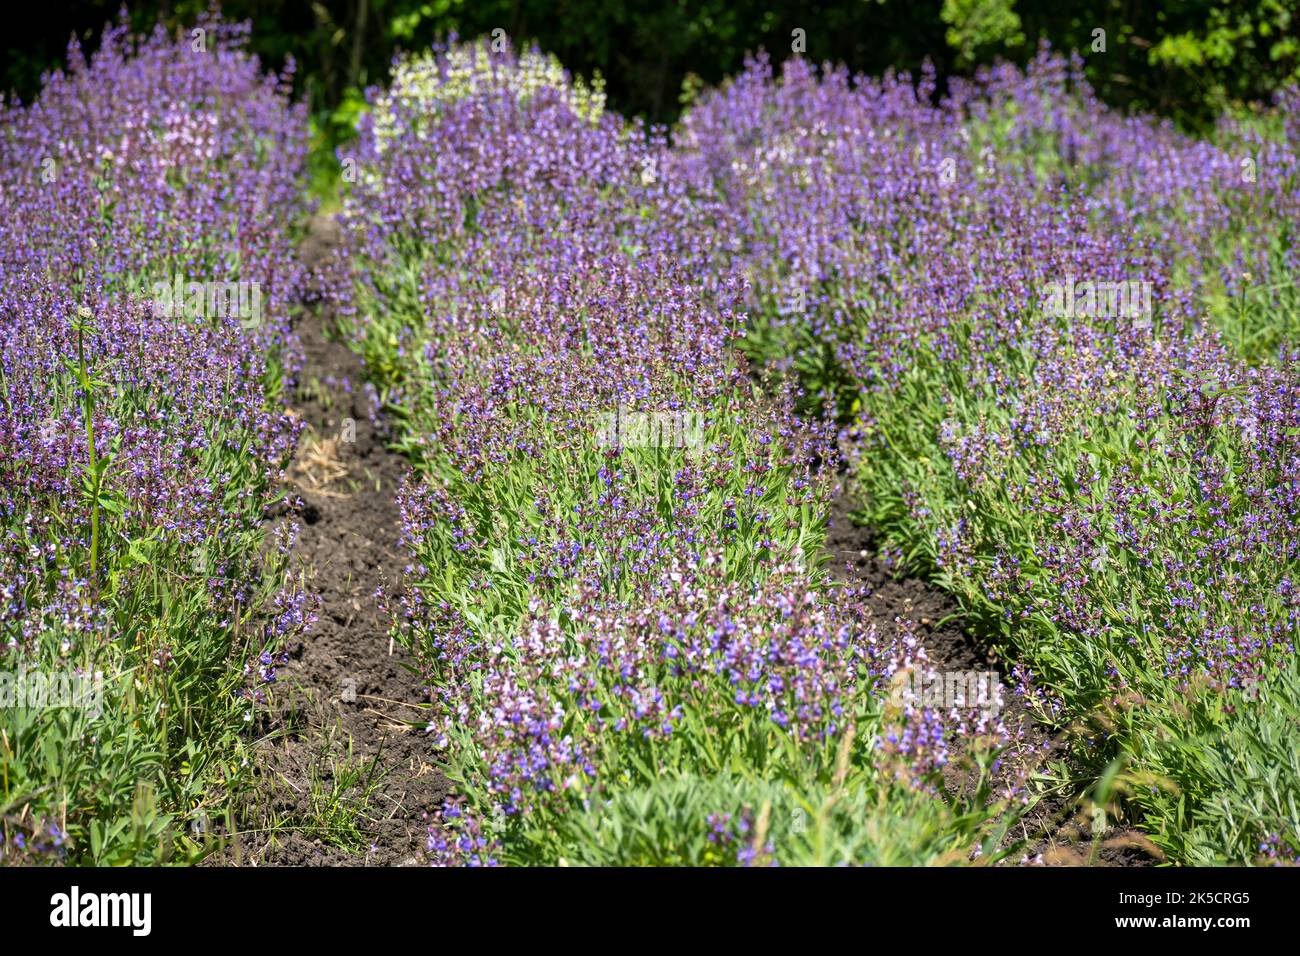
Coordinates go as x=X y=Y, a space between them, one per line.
x=88 y=403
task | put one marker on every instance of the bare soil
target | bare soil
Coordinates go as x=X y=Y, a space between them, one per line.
x=1056 y=831
x=350 y=698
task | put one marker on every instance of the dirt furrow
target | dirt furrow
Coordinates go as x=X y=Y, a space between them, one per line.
x=1055 y=830
x=346 y=773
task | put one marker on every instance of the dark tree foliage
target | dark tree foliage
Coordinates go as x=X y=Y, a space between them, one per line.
x=1184 y=58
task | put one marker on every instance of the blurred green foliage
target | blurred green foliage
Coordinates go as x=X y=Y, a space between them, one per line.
x=1187 y=59
x=978 y=27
